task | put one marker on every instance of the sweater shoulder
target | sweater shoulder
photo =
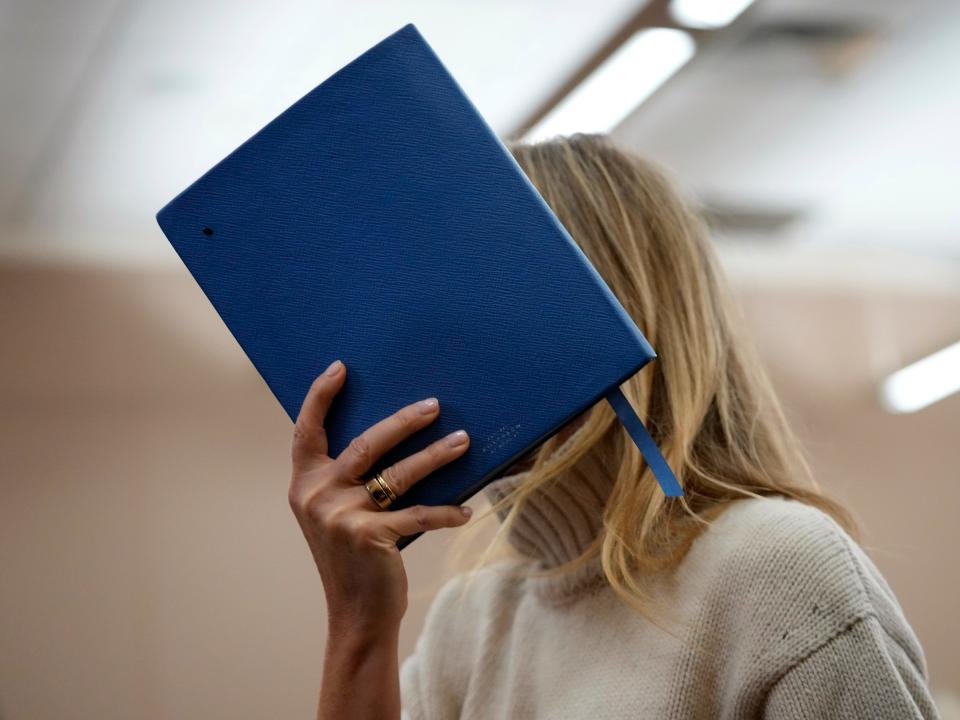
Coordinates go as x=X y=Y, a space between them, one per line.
x=467 y=607
x=466 y=611
x=792 y=553
x=477 y=591
x=793 y=579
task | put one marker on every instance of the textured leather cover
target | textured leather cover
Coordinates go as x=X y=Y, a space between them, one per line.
x=381 y=221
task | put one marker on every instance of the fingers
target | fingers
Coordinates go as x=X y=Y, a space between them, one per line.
x=422 y=518
x=309 y=436
x=417 y=466
x=373 y=442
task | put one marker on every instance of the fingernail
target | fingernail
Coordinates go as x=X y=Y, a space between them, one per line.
x=466 y=510
x=457 y=438
x=428 y=405
x=334 y=368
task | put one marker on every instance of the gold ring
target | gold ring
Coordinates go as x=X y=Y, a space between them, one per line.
x=385 y=485
x=380 y=491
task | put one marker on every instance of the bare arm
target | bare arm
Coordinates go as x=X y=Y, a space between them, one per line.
x=360 y=673
x=353 y=543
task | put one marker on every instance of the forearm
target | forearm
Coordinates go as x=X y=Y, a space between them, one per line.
x=354 y=543
x=361 y=677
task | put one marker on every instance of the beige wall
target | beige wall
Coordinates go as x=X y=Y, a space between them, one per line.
x=149 y=565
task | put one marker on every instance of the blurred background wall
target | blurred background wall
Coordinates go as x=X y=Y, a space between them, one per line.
x=149 y=565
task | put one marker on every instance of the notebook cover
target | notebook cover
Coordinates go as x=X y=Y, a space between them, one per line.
x=381 y=221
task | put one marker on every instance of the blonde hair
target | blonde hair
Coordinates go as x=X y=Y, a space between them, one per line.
x=706 y=398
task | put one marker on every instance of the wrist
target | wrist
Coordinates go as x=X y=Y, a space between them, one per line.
x=357 y=648
x=354 y=629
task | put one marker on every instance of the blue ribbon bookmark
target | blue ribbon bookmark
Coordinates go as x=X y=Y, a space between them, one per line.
x=649 y=449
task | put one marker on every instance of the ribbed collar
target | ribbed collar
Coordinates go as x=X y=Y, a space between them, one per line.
x=558 y=523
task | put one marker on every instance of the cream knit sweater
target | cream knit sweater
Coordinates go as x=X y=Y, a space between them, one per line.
x=779 y=615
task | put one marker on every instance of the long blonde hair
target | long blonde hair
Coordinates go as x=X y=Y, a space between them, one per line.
x=706 y=398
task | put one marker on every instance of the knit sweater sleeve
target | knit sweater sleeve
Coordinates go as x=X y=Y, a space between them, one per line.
x=822 y=635
x=816 y=630
x=862 y=672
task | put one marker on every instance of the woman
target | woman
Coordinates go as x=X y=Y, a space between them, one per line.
x=746 y=598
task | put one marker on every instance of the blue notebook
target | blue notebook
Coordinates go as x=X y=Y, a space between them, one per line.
x=381 y=221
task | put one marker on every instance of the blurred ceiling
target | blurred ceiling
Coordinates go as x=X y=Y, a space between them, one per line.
x=824 y=133
x=819 y=134
x=112 y=107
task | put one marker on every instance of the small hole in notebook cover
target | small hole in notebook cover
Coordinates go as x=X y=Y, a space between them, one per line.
x=208 y=231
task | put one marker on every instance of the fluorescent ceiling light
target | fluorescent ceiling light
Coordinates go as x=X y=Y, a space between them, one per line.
x=707 y=14
x=623 y=81
x=923 y=383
